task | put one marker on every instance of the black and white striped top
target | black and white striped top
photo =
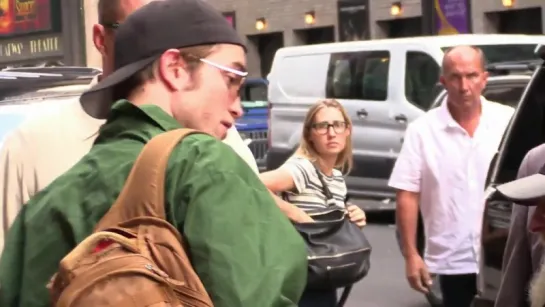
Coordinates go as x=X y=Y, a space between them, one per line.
x=308 y=194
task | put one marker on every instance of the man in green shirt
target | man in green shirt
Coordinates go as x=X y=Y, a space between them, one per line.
x=178 y=64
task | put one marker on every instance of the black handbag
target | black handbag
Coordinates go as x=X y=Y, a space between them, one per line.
x=338 y=251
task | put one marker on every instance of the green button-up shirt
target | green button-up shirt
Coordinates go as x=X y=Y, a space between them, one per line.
x=242 y=246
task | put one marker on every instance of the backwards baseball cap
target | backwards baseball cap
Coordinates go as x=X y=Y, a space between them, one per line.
x=151 y=30
x=526 y=191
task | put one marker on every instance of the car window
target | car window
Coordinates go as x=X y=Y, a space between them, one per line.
x=421 y=76
x=256 y=91
x=505 y=93
x=358 y=75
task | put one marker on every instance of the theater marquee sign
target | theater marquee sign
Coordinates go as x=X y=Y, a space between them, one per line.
x=27 y=32
x=28 y=48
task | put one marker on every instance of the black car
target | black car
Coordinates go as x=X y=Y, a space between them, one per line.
x=526 y=131
x=506 y=85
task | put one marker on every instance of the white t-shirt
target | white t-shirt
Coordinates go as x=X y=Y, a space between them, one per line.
x=234 y=140
x=309 y=194
x=449 y=168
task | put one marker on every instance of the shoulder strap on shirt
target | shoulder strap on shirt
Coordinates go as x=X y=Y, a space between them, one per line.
x=325 y=188
x=143 y=194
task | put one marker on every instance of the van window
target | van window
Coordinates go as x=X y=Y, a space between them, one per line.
x=421 y=77
x=358 y=75
x=253 y=91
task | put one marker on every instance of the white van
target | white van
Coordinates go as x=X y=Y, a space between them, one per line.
x=384 y=84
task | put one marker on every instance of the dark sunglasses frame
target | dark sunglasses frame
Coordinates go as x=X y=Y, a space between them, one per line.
x=111 y=25
x=315 y=127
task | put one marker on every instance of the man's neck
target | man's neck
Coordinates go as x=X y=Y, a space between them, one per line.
x=467 y=117
x=147 y=94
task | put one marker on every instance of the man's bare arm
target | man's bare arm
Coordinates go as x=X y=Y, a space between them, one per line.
x=407 y=220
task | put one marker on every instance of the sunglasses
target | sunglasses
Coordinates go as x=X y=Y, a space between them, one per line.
x=111 y=25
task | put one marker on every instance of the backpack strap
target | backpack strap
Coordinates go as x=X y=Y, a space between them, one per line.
x=143 y=194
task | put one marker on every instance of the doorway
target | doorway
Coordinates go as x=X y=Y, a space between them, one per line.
x=267 y=45
x=314 y=36
x=404 y=27
x=353 y=16
x=523 y=21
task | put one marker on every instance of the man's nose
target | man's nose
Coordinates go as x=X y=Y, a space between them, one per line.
x=464 y=84
x=236 y=108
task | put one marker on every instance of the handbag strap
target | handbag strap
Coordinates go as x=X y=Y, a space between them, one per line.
x=325 y=188
x=344 y=296
x=144 y=190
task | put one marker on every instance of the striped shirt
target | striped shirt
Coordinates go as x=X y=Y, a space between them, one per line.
x=308 y=193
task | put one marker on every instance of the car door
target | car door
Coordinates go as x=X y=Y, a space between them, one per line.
x=525 y=132
x=418 y=88
x=360 y=81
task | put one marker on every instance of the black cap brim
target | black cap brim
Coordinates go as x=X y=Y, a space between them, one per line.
x=526 y=191
x=97 y=105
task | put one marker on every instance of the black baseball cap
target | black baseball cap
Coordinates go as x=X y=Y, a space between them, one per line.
x=527 y=191
x=151 y=30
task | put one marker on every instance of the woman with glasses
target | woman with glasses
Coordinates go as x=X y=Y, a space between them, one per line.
x=326 y=147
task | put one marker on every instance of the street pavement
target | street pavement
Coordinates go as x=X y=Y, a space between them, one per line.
x=385 y=285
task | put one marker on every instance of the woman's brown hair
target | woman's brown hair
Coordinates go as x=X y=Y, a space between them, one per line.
x=306 y=149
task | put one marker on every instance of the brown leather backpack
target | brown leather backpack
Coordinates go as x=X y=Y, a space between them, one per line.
x=135 y=257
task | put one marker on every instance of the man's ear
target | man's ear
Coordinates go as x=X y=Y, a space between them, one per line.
x=98 y=38
x=171 y=69
x=442 y=80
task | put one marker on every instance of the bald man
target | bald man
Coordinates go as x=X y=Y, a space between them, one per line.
x=41 y=149
x=442 y=168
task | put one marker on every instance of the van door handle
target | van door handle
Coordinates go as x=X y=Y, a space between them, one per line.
x=362 y=113
x=401 y=118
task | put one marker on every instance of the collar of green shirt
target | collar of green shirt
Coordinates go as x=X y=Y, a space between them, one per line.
x=141 y=115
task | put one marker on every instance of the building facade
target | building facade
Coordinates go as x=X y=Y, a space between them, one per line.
x=267 y=25
x=270 y=24
x=35 y=32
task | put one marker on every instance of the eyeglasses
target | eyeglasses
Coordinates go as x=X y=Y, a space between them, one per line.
x=234 y=83
x=323 y=127
x=225 y=68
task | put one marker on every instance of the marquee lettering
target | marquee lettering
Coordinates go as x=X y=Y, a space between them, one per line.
x=30 y=48
x=49 y=44
x=25 y=8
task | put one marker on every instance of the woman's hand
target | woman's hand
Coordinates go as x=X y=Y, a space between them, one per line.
x=356 y=215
